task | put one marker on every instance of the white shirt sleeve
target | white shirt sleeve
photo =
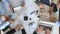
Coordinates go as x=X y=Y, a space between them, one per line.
x=4 y=25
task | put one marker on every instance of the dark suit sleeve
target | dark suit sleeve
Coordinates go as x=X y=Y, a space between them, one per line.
x=34 y=32
x=23 y=31
x=11 y=31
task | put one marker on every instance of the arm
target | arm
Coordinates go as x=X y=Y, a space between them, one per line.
x=23 y=31
x=8 y=30
x=11 y=31
x=35 y=32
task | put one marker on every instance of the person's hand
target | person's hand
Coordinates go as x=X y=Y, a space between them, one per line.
x=52 y=18
x=47 y=31
x=3 y=18
x=12 y=21
x=39 y=29
x=18 y=27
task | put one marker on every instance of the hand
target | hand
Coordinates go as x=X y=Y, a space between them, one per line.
x=39 y=29
x=18 y=27
x=52 y=18
x=3 y=18
x=47 y=31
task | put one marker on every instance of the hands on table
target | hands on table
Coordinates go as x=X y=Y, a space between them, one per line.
x=40 y=29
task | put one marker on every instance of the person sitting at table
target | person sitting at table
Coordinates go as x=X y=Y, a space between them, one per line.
x=20 y=27
x=5 y=22
x=17 y=28
x=55 y=11
x=40 y=29
x=52 y=17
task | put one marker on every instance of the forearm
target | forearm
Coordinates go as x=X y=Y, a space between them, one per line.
x=11 y=31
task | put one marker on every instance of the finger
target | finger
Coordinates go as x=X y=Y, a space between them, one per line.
x=48 y=31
